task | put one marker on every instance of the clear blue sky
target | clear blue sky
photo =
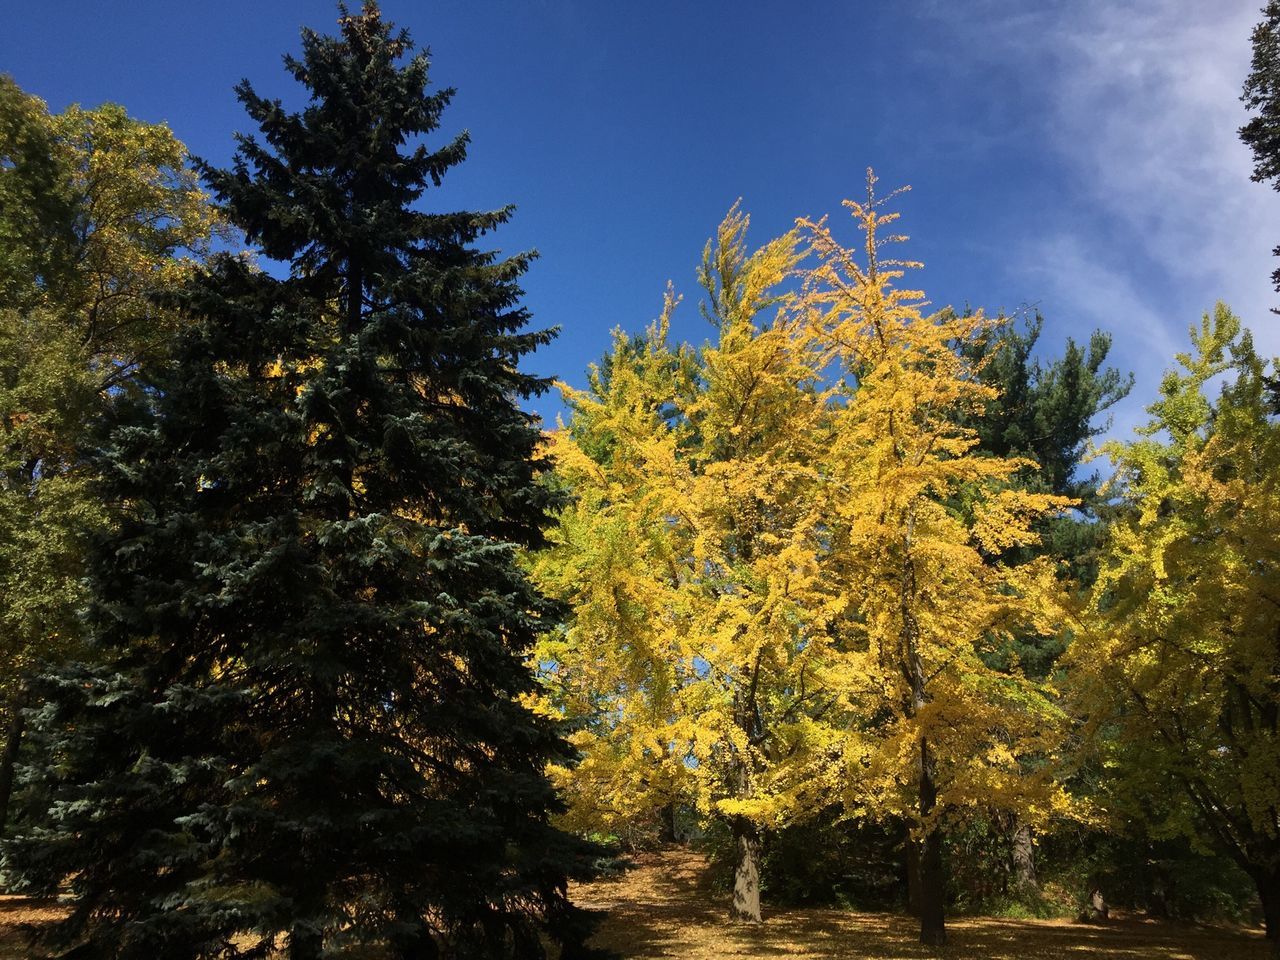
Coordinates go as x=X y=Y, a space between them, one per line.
x=1080 y=157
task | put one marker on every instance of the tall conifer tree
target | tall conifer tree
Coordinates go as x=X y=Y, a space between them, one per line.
x=312 y=733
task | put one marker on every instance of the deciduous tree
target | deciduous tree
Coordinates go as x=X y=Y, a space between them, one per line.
x=691 y=561
x=99 y=212
x=1180 y=669
x=915 y=517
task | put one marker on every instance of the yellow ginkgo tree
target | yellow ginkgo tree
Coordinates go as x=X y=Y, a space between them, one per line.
x=1179 y=669
x=697 y=658
x=912 y=519
x=613 y=668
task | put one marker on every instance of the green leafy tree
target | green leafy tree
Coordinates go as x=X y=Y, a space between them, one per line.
x=37 y=213
x=98 y=212
x=1179 y=669
x=1046 y=411
x=310 y=732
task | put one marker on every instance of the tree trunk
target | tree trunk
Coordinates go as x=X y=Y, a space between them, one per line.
x=355 y=296
x=1097 y=908
x=913 y=876
x=746 y=874
x=1269 y=893
x=933 y=930
x=667 y=824
x=1024 y=859
x=1158 y=899
x=12 y=743
x=305 y=943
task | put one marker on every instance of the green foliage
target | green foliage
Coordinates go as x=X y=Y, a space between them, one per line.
x=832 y=859
x=1045 y=412
x=46 y=507
x=1049 y=412
x=1168 y=878
x=1177 y=669
x=98 y=213
x=37 y=207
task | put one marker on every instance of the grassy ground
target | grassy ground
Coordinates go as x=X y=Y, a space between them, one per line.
x=663 y=908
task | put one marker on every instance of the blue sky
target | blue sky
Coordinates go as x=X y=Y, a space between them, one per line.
x=1079 y=156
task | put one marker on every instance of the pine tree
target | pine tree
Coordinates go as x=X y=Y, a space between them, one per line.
x=1262 y=96
x=312 y=732
x=1048 y=412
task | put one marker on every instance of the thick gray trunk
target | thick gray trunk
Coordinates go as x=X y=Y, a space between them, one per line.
x=1024 y=859
x=746 y=873
x=1097 y=908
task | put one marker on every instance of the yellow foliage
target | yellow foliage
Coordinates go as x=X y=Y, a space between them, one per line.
x=914 y=514
x=779 y=557
x=690 y=558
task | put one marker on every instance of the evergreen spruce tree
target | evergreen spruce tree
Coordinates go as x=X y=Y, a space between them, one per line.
x=1047 y=412
x=312 y=731
x=1262 y=98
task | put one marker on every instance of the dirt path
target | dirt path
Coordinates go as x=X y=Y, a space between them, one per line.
x=663 y=908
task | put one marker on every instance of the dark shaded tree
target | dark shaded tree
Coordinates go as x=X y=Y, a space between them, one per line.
x=98 y=211
x=309 y=732
x=1047 y=410
x=1262 y=96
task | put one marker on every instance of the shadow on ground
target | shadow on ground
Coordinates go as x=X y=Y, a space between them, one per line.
x=664 y=907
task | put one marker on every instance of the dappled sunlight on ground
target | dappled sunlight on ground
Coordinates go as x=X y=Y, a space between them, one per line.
x=664 y=908
x=16 y=912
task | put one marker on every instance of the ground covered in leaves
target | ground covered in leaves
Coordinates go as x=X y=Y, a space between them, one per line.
x=664 y=907
x=15 y=913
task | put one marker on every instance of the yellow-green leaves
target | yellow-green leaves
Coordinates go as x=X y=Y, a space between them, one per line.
x=98 y=213
x=756 y=528
x=784 y=562
x=1180 y=661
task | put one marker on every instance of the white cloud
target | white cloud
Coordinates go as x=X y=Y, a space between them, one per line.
x=1141 y=107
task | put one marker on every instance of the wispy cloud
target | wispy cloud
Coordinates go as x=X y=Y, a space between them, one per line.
x=1141 y=106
